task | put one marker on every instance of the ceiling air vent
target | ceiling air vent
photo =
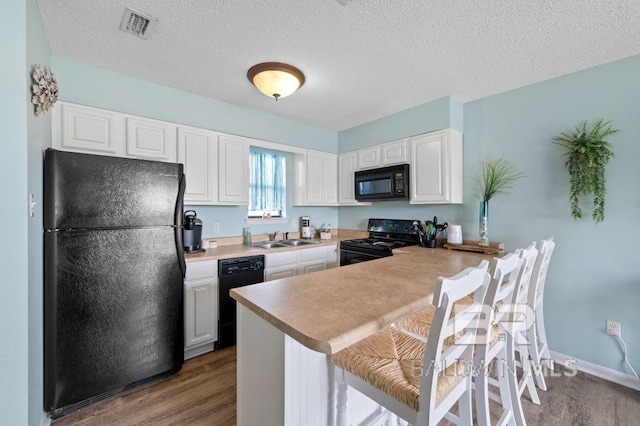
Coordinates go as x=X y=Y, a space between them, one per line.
x=137 y=23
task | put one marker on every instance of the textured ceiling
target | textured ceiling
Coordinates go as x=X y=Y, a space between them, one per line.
x=362 y=61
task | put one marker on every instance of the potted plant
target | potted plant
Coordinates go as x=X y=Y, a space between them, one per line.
x=496 y=176
x=587 y=155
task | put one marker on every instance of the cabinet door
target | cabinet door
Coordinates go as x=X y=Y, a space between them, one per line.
x=201 y=312
x=436 y=170
x=346 y=171
x=233 y=165
x=312 y=266
x=150 y=139
x=330 y=179
x=394 y=152
x=333 y=256
x=315 y=174
x=368 y=157
x=283 y=271
x=85 y=129
x=198 y=152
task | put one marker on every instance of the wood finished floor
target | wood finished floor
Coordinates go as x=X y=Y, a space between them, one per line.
x=204 y=393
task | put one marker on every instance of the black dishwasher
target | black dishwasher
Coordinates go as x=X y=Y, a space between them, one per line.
x=236 y=272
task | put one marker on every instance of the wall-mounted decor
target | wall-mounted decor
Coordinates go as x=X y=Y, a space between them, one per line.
x=45 y=89
x=587 y=154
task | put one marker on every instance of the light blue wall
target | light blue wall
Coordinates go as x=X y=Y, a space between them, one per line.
x=439 y=114
x=88 y=85
x=39 y=138
x=592 y=276
x=14 y=320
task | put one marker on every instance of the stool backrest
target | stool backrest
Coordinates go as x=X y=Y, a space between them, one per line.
x=536 y=287
x=505 y=272
x=463 y=326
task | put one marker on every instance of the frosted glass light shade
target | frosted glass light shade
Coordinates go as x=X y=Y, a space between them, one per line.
x=275 y=79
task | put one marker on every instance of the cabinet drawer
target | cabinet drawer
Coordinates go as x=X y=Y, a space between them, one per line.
x=199 y=270
x=277 y=259
x=313 y=254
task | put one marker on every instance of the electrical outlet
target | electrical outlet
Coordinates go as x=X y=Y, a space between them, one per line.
x=216 y=227
x=614 y=328
x=294 y=223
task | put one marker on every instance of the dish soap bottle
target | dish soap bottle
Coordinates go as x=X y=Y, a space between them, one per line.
x=247 y=237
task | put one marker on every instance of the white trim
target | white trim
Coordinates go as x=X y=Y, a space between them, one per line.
x=45 y=420
x=605 y=373
x=260 y=221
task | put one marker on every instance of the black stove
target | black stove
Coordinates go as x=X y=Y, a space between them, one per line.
x=384 y=236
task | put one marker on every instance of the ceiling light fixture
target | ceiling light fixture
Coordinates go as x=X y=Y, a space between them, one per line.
x=276 y=79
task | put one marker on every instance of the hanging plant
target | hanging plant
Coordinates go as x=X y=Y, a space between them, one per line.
x=587 y=155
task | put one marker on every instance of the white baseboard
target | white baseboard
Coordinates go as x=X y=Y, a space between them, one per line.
x=45 y=420
x=605 y=373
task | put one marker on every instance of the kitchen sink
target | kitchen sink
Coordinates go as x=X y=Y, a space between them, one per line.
x=268 y=245
x=298 y=242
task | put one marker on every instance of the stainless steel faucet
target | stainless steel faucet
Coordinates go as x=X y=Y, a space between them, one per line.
x=274 y=235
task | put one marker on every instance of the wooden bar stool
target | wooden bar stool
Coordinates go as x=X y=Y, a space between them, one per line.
x=536 y=334
x=418 y=378
x=499 y=352
x=522 y=322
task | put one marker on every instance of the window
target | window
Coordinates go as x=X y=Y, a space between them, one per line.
x=267 y=184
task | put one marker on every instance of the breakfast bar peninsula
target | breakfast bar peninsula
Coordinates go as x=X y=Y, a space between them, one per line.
x=289 y=328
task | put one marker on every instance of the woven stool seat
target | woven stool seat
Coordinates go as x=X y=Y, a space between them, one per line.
x=392 y=362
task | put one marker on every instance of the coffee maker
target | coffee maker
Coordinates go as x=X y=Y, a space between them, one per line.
x=192 y=232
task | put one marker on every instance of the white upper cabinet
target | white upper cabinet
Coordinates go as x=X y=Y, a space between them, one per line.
x=394 y=152
x=369 y=158
x=330 y=179
x=316 y=179
x=198 y=152
x=346 y=176
x=436 y=168
x=150 y=139
x=84 y=129
x=233 y=164
x=347 y=166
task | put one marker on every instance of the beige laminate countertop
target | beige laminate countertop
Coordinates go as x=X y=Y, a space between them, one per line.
x=329 y=310
x=237 y=250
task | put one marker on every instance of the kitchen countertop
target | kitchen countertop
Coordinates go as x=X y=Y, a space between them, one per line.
x=329 y=310
x=238 y=250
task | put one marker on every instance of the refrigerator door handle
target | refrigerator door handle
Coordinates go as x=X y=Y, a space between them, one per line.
x=178 y=226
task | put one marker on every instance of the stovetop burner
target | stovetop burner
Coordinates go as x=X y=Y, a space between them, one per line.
x=385 y=235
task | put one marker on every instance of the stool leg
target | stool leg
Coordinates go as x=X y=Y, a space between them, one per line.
x=542 y=334
x=482 y=387
x=511 y=379
x=464 y=405
x=341 y=405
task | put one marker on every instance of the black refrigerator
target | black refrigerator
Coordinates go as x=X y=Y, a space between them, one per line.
x=113 y=276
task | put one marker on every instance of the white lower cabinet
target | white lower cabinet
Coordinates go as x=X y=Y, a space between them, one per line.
x=280 y=265
x=298 y=262
x=279 y=272
x=200 y=308
x=313 y=260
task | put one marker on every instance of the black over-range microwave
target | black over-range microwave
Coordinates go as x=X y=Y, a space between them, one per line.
x=382 y=184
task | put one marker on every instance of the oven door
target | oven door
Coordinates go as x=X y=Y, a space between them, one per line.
x=351 y=256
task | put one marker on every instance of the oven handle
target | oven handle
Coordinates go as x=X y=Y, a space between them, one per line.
x=360 y=253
